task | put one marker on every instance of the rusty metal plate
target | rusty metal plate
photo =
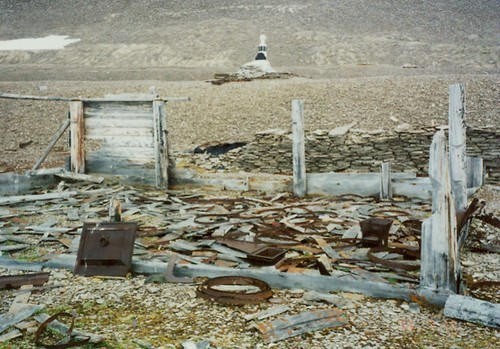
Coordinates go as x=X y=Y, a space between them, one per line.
x=106 y=249
x=267 y=256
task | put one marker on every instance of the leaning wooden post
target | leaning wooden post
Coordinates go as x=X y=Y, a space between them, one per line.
x=77 y=136
x=456 y=119
x=298 y=149
x=385 y=181
x=160 y=144
x=439 y=257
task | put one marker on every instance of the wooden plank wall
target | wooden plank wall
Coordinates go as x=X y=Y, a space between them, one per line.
x=119 y=139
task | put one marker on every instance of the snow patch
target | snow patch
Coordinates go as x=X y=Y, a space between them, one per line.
x=51 y=42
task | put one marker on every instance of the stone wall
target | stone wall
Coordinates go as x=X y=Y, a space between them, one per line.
x=351 y=150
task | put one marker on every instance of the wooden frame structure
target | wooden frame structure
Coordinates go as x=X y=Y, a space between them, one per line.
x=125 y=137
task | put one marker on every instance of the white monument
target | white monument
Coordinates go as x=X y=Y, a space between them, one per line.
x=258 y=67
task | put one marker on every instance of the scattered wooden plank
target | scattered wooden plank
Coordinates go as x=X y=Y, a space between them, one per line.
x=80 y=177
x=294 y=325
x=9 y=319
x=10 y=335
x=12 y=264
x=11 y=200
x=473 y=310
x=267 y=313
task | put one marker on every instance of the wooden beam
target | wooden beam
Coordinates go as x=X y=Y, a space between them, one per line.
x=77 y=137
x=52 y=142
x=298 y=149
x=439 y=257
x=124 y=98
x=11 y=200
x=277 y=279
x=473 y=310
x=457 y=140
x=385 y=181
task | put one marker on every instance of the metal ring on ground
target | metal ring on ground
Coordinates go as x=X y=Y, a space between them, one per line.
x=207 y=290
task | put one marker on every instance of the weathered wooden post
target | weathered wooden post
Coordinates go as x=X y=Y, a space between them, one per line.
x=77 y=129
x=160 y=144
x=385 y=181
x=298 y=149
x=475 y=172
x=456 y=120
x=439 y=257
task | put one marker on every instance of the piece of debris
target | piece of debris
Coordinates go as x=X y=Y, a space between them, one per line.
x=16 y=281
x=294 y=325
x=267 y=313
x=106 y=249
x=169 y=273
x=53 y=324
x=209 y=290
x=10 y=335
x=338 y=301
x=10 y=319
x=473 y=310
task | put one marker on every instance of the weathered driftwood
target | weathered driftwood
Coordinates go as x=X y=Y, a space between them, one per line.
x=77 y=137
x=473 y=310
x=52 y=142
x=10 y=200
x=298 y=149
x=439 y=257
x=456 y=141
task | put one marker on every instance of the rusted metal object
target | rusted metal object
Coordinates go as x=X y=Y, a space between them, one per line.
x=266 y=256
x=169 y=273
x=106 y=249
x=375 y=231
x=15 y=281
x=68 y=342
x=391 y=264
x=208 y=290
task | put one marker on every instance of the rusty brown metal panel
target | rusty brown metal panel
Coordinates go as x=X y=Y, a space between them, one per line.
x=106 y=249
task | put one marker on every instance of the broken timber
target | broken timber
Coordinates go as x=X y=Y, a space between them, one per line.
x=277 y=279
x=440 y=260
x=473 y=310
x=298 y=151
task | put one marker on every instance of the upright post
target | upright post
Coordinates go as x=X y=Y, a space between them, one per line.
x=456 y=119
x=475 y=173
x=298 y=149
x=77 y=129
x=385 y=182
x=160 y=144
x=439 y=257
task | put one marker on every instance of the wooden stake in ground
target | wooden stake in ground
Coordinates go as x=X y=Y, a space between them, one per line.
x=299 y=157
x=439 y=256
